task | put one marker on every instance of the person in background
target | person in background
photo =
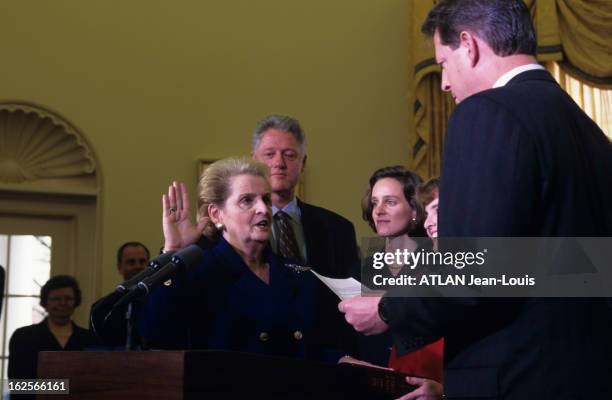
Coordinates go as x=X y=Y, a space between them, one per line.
x=132 y=257
x=428 y=195
x=59 y=296
x=391 y=209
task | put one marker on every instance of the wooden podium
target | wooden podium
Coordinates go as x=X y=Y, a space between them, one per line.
x=212 y=375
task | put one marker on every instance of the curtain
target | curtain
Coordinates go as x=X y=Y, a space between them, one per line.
x=432 y=107
x=432 y=111
x=577 y=34
x=597 y=103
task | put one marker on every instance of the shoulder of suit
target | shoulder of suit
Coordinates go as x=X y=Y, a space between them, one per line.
x=220 y=260
x=512 y=101
x=273 y=259
x=522 y=91
x=321 y=212
x=219 y=251
x=27 y=331
x=79 y=328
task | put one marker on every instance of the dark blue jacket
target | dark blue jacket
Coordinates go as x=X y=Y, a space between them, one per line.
x=520 y=160
x=221 y=304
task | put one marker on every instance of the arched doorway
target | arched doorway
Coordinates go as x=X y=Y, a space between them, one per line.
x=50 y=197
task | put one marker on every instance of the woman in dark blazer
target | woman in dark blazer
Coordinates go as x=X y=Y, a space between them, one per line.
x=59 y=296
x=241 y=297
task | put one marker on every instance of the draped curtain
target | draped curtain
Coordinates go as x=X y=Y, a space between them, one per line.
x=597 y=103
x=431 y=107
x=576 y=34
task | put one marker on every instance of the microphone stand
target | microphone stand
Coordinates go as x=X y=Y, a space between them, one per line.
x=130 y=317
x=187 y=257
x=100 y=317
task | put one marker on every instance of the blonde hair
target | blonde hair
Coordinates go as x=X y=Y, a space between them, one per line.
x=214 y=186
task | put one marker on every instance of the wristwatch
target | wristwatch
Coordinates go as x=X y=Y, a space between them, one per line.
x=382 y=310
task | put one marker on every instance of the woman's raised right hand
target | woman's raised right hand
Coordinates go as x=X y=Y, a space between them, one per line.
x=179 y=229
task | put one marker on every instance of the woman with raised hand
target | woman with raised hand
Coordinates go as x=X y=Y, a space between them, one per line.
x=241 y=297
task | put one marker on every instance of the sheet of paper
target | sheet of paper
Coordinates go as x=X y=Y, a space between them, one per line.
x=343 y=288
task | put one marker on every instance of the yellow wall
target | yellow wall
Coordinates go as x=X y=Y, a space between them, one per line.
x=155 y=85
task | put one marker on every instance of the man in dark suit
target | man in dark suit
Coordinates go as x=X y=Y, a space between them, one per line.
x=132 y=257
x=520 y=159
x=325 y=240
x=318 y=238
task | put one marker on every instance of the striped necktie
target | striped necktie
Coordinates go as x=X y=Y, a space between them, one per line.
x=287 y=243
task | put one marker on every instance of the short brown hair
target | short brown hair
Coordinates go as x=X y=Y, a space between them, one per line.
x=428 y=191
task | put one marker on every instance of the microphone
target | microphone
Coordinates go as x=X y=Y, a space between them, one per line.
x=182 y=260
x=153 y=265
x=185 y=258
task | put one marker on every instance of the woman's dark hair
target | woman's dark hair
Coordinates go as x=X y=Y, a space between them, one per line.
x=409 y=181
x=60 y=282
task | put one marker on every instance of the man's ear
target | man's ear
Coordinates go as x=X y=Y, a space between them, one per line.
x=471 y=45
x=303 y=163
x=214 y=212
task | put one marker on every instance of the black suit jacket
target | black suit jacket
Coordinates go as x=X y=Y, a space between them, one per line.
x=331 y=250
x=330 y=241
x=520 y=160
